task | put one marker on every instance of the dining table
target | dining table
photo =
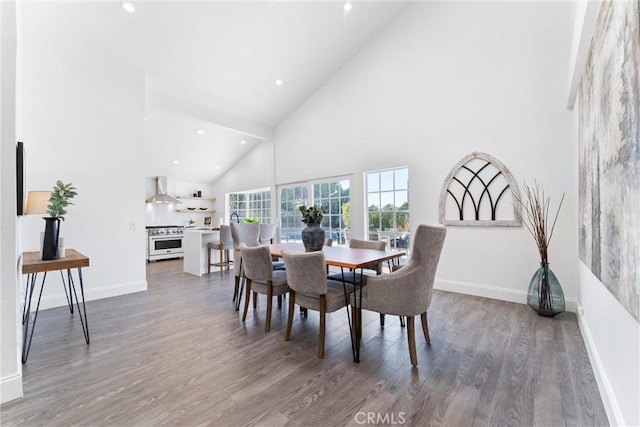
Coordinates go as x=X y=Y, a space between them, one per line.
x=353 y=259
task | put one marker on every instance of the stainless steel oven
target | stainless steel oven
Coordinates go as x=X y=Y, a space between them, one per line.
x=165 y=242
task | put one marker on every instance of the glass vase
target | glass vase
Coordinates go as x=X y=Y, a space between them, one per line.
x=545 y=294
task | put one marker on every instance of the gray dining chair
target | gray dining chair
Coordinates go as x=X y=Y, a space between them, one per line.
x=223 y=246
x=267 y=233
x=374 y=268
x=408 y=290
x=249 y=234
x=262 y=279
x=310 y=288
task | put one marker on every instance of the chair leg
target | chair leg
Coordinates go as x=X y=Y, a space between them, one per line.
x=208 y=260
x=402 y=321
x=267 y=325
x=279 y=302
x=246 y=300
x=323 y=315
x=382 y=320
x=292 y=301
x=355 y=325
x=255 y=300
x=425 y=327
x=236 y=287
x=411 y=333
x=221 y=262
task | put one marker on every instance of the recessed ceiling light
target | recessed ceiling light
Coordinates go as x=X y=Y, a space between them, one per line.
x=278 y=82
x=347 y=6
x=217 y=167
x=146 y=118
x=199 y=131
x=243 y=142
x=175 y=162
x=128 y=5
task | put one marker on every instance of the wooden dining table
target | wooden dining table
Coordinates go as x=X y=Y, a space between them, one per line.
x=352 y=259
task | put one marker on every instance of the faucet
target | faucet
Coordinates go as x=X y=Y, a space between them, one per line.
x=236 y=215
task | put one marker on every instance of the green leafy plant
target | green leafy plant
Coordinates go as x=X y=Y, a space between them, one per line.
x=60 y=198
x=311 y=214
x=251 y=219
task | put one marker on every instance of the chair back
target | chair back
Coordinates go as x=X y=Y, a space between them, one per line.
x=425 y=255
x=256 y=262
x=226 y=241
x=306 y=272
x=367 y=244
x=267 y=233
x=247 y=233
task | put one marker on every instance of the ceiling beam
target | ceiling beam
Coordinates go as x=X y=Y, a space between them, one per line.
x=167 y=102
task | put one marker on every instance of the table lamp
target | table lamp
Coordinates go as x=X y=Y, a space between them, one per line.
x=37 y=202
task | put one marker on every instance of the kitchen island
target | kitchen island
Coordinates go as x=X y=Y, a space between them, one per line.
x=195 y=243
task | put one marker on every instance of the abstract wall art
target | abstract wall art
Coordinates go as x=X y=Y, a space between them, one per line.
x=609 y=153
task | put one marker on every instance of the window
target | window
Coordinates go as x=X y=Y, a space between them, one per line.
x=333 y=195
x=388 y=206
x=251 y=203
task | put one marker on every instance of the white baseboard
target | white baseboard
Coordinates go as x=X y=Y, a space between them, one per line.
x=606 y=391
x=494 y=292
x=11 y=388
x=60 y=300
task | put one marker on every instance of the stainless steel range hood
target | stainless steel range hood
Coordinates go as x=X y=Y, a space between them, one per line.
x=161 y=195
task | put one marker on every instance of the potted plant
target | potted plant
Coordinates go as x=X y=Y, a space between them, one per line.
x=59 y=199
x=312 y=235
x=544 y=294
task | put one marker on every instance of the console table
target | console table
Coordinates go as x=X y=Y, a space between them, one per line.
x=32 y=264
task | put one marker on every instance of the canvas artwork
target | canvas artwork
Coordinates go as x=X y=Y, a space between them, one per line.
x=609 y=158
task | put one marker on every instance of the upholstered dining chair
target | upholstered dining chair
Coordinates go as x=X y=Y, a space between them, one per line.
x=262 y=279
x=223 y=246
x=249 y=234
x=267 y=233
x=375 y=268
x=407 y=291
x=310 y=288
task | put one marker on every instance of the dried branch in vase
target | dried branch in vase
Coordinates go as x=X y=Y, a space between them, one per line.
x=536 y=206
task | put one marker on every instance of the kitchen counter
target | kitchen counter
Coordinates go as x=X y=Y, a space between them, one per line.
x=202 y=229
x=195 y=248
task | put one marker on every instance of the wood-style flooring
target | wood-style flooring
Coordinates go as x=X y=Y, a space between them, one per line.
x=180 y=355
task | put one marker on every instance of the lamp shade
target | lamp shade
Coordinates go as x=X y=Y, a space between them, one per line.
x=37 y=202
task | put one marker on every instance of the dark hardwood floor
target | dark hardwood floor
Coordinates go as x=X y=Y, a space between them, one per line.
x=179 y=354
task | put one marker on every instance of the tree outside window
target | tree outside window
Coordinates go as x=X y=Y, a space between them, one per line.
x=388 y=206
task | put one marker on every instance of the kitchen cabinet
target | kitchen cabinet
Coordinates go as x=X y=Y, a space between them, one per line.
x=199 y=204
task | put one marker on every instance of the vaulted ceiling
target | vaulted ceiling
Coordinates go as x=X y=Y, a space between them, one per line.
x=212 y=66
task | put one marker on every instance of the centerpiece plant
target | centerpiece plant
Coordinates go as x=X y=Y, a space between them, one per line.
x=313 y=235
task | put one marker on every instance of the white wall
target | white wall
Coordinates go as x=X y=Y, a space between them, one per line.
x=612 y=337
x=81 y=110
x=253 y=171
x=443 y=80
x=10 y=367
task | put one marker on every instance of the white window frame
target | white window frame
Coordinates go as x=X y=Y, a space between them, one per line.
x=289 y=233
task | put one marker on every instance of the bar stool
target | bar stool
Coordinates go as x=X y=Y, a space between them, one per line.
x=223 y=246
